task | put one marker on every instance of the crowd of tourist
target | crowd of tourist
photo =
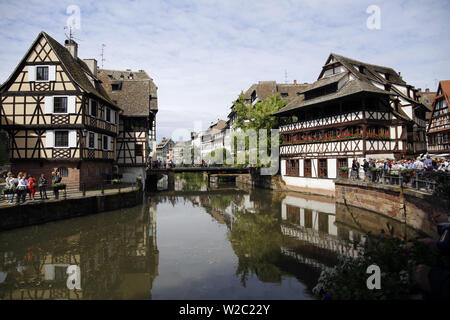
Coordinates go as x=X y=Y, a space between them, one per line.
x=19 y=186
x=414 y=169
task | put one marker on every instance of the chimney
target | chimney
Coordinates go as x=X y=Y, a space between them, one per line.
x=72 y=46
x=295 y=81
x=92 y=65
x=427 y=90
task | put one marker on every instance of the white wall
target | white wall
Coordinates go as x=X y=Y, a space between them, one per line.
x=129 y=174
x=314 y=183
x=332 y=168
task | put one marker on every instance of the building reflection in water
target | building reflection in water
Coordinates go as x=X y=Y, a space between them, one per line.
x=117 y=255
x=291 y=234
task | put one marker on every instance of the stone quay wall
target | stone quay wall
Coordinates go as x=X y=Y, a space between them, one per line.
x=412 y=207
x=29 y=214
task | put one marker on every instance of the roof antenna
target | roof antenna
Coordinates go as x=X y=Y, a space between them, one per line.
x=103 y=54
x=70 y=36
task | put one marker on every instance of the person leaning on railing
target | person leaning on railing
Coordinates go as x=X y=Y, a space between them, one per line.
x=42 y=184
x=10 y=184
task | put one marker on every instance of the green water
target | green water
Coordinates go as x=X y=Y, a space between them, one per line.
x=225 y=242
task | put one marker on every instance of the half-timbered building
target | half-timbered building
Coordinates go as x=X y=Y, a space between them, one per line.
x=136 y=94
x=354 y=110
x=439 y=126
x=57 y=115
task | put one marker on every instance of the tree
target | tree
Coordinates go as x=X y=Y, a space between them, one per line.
x=258 y=117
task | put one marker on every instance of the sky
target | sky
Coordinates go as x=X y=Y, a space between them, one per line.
x=203 y=53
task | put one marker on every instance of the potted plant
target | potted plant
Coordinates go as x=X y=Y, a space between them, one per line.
x=59 y=186
x=11 y=190
x=343 y=172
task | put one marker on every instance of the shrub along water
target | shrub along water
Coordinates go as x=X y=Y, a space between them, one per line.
x=395 y=258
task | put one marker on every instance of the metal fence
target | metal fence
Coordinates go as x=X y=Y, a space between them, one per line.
x=65 y=191
x=416 y=179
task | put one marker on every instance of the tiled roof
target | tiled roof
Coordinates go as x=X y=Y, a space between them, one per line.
x=136 y=90
x=78 y=70
x=349 y=88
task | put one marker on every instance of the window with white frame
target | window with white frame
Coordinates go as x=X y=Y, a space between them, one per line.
x=60 y=105
x=91 y=140
x=42 y=73
x=61 y=139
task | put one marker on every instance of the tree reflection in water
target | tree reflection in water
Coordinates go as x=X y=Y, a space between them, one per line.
x=256 y=240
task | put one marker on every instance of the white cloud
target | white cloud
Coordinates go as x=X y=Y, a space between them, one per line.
x=203 y=53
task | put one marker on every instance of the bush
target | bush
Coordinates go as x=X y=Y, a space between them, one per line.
x=348 y=279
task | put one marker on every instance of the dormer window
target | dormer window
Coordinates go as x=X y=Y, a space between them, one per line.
x=387 y=75
x=42 y=73
x=116 y=86
x=253 y=97
x=361 y=69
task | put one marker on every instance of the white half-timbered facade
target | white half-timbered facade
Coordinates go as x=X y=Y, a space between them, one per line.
x=353 y=111
x=439 y=126
x=57 y=115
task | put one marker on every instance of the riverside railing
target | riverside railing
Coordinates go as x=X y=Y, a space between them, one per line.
x=64 y=191
x=414 y=179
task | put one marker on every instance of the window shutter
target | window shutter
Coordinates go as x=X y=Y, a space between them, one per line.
x=48 y=104
x=71 y=102
x=51 y=73
x=72 y=139
x=31 y=73
x=113 y=117
x=49 y=139
x=95 y=140
x=109 y=143
x=104 y=113
x=87 y=139
x=90 y=107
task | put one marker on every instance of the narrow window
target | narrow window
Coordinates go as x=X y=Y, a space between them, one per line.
x=138 y=150
x=108 y=114
x=307 y=167
x=61 y=138
x=323 y=170
x=42 y=73
x=105 y=142
x=93 y=108
x=91 y=140
x=60 y=105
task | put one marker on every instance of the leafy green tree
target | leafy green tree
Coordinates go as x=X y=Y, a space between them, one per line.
x=257 y=117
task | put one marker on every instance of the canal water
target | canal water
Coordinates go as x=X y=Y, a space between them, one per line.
x=199 y=242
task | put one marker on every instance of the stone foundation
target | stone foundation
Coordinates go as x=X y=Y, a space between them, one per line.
x=41 y=212
x=403 y=205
